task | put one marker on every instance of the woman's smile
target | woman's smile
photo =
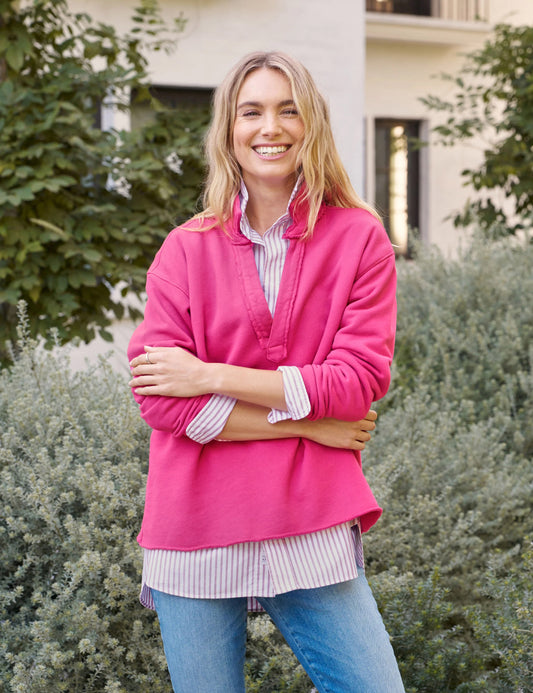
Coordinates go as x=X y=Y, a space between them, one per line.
x=271 y=151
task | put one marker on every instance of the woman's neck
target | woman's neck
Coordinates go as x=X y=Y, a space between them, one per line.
x=266 y=204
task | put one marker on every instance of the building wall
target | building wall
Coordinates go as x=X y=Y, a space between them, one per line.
x=404 y=57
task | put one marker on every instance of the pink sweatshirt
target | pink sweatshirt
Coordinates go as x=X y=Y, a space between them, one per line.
x=334 y=319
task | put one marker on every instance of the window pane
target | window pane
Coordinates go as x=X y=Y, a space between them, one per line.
x=417 y=7
x=397 y=178
x=172 y=97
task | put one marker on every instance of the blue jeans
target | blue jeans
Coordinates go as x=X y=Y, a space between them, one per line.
x=336 y=632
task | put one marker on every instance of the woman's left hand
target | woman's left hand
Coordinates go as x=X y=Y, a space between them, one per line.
x=168 y=372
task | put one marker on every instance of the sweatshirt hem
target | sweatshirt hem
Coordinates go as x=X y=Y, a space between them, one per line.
x=367 y=519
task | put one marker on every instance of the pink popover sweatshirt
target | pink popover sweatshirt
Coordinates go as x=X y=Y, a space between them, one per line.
x=334 y=319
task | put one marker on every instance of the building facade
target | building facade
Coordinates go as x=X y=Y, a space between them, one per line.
x=374 y=60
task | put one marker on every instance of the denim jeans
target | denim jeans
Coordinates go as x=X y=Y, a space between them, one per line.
x=336 y=632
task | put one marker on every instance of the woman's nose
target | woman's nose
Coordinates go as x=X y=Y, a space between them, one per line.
x=270 y=124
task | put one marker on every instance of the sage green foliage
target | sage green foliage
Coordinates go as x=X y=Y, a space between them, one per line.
x=449 y=562
x=494 y=100
x=83 y=210
x=72 y=475
x=270 y=665
x=506 y=631
x=451 y=461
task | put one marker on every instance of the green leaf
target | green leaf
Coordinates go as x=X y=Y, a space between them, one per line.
x=91 y=254
x=15 y=56
x=51 y=227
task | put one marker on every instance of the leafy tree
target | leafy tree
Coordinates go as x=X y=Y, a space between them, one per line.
x=83 y=210
x=494 y=101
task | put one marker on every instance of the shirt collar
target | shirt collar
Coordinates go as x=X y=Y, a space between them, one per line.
x=244 y=197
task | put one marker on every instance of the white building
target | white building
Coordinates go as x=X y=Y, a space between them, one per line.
x=373 y=60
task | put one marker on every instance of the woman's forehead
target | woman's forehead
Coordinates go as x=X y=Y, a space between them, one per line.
x=265 y=82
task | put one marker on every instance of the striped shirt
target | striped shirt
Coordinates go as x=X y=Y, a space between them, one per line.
x=274 y=566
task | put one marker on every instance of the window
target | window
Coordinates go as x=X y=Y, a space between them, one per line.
x=417 y=7
x=397 y=178
x=172 y=97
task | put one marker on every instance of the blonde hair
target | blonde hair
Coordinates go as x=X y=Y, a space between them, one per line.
x=325 y=176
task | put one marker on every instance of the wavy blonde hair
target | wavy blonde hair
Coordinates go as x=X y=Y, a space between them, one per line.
x=324 y=174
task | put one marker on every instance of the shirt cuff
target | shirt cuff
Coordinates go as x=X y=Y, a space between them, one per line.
x=296 y=397
x=206 y=425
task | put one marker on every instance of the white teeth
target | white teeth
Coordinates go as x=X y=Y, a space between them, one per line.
x=266 y=151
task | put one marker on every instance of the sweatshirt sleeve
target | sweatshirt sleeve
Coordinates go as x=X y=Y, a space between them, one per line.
x=356 y=371
x=166 y=323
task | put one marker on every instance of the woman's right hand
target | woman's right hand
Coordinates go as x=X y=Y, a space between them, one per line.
x=350 y=435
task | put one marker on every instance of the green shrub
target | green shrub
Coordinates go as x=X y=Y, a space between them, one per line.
x=271 y=666
x=465 y=332
x=431 y=653
x=451 y=458
x=72 y=465
x=506 y=630
x=450 y=463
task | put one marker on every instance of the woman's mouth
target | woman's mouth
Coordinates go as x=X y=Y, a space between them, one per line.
x=273 y=150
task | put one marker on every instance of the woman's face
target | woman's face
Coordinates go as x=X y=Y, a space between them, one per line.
x=268 y=131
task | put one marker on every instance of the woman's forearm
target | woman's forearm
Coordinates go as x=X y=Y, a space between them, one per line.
x=263 y=388
x=175 y=372
x=249 y=422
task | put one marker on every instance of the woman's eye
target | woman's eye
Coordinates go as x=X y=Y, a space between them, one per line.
x=250 y=113
x=290 y=111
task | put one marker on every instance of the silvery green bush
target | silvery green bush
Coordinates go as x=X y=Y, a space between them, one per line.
x=450 y=463
x=72 y=465
x=506 y=630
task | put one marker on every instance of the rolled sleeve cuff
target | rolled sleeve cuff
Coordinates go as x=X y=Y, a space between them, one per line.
x=296 y=397
x=206 y=425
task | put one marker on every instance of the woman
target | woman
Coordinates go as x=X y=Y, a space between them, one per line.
x=268 y=333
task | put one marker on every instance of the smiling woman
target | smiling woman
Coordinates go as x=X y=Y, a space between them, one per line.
x=267 y=335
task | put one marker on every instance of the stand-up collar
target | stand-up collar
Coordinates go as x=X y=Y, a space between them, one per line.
x=298 y=209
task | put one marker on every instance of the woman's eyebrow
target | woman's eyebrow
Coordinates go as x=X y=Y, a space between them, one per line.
x=248 y=104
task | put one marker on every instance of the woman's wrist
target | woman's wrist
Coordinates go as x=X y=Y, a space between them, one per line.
x=256 y=386
x=213 y=378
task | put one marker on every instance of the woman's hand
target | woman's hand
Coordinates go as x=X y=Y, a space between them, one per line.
x=169 y=372
x=175 y=372
x=351 y=435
